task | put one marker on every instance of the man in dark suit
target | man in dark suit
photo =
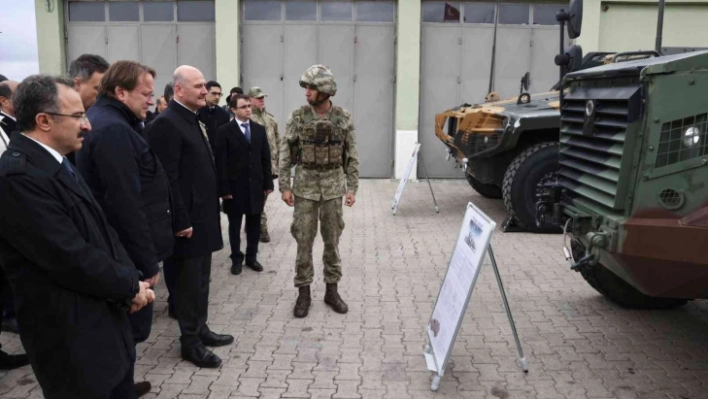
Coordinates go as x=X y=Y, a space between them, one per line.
x=245 y=179
x=8 y=122
x=212 y=115
x=179 y=139
x=73 y=280
x=127 y=179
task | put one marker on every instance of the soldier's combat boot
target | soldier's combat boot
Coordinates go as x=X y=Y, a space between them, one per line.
x=304 y=300
x=265 y=237
x=333 y=299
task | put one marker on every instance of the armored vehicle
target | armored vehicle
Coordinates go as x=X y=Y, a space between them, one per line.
x=508 y=148
x=632 y=186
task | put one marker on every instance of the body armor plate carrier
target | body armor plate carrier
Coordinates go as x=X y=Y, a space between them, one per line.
x=322 y=142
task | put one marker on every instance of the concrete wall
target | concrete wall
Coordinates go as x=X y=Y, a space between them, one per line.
x=591 y=38
x=228 y=44
x=50 y=37
x=407 y=82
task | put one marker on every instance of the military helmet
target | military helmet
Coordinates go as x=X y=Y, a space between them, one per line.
x=320 y=78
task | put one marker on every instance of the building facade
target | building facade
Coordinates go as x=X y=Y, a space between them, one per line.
x=397 y=63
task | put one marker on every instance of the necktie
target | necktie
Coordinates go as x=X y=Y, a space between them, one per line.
x=247 y=131
x=67 y=166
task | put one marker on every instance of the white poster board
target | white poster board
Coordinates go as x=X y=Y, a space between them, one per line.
x=404 y=178
x=456 y=289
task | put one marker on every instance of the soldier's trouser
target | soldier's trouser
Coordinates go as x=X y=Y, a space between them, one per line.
x=304 y=229
x=264 y=221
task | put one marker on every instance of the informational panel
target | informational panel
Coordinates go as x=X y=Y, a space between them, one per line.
x=404 y=178
x=456 y=290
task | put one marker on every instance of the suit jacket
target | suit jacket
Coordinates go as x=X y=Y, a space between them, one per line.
x=72 y=278
x=213 y=119
x=177 y=139
x=129 y=182
x=7 y=124
x=244 y=168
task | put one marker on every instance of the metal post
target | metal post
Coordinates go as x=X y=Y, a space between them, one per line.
x=420 y=156
x=522 y=360
x=562 y=51
x=660 y=26
x=494 y=49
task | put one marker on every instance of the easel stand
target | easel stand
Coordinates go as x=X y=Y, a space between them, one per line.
x=521 y=360
x=425 y=170
x=404 y=179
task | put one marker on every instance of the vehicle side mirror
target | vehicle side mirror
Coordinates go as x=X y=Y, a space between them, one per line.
x=575 y=20
x=571 y=60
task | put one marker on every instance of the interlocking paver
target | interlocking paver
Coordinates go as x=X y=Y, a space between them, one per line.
x=578 y=345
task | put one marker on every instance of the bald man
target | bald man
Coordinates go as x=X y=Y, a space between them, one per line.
x=8 y=123
x=179 y=139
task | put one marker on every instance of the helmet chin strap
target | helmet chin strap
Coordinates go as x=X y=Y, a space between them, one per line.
x=320 y=100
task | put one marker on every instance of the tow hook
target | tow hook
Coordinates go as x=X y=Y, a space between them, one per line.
x=584 y=261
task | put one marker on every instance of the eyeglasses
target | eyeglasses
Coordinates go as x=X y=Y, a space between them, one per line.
x=83 y=119
x=217 y=94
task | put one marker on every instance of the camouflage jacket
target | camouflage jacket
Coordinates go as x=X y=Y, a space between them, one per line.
x=319 y=185
x=261 y=117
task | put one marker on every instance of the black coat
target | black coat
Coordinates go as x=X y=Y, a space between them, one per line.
x=72 y=278
x=129 y=183
x=244 y=168
x=213 y=119
x=177 y=140
x=9 y=125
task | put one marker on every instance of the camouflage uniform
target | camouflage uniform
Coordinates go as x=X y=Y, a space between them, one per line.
x=262 y=117
x=327 y=167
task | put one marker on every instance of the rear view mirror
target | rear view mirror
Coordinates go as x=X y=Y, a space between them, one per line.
x=571 y=60
x=575 y=18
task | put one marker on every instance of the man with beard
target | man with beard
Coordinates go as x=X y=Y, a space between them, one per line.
x=73 y=280
x=180 y=141
x=127 y=179
x=213 y=116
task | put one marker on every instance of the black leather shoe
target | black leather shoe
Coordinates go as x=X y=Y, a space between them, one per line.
x=142 y=388
x=201 y=356
x=257 y=267
x=9 y=362
x=213 y=339
x=236 y=268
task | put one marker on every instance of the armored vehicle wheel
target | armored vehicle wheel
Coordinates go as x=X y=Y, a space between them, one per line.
x=622 y=293
x=524 y=180
x=485 y=190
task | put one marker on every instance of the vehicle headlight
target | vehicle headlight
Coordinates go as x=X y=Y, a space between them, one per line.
x=691 y=136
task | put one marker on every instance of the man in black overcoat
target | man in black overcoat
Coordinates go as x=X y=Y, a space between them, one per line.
x=73 y=280
x=245 y=179
x=127 y=179
x=179 y=139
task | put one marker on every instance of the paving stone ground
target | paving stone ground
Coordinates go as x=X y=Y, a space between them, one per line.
x=578 y=344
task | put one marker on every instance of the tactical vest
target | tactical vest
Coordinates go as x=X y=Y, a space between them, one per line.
x=321 y=141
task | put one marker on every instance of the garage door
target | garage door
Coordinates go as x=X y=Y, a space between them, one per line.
x=355 y=39
x=684 y=26
x=456 y=61
x=161 y=34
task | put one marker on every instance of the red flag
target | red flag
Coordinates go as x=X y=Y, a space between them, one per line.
x=451 y=13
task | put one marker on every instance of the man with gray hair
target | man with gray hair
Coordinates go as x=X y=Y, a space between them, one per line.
x=73 y=280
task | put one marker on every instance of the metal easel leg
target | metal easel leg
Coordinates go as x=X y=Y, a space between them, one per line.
x=522 y=359
x=420 y=156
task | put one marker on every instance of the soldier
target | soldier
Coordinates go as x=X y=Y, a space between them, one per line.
x=262 y=117
x=320 y=141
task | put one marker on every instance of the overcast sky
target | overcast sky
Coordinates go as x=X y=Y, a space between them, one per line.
x=18 y=39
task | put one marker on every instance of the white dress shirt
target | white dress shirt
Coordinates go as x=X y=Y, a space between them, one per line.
x=51 y=150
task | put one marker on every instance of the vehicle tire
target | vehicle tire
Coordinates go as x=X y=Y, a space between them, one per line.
x=623 y=293
x=485 y=190
x=535 y=165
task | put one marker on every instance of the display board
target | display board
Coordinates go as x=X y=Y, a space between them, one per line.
x=404 y=178
x=456 y=290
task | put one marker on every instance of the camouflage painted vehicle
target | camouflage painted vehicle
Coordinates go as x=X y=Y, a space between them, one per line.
x=508 y=148
x=632 y=188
